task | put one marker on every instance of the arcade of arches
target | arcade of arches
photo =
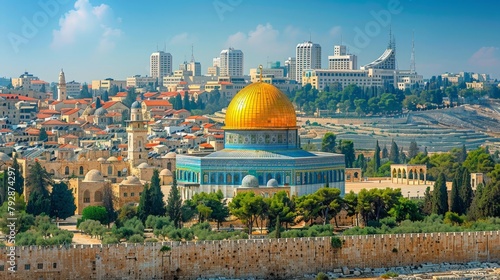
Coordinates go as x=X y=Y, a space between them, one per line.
x=414 y=173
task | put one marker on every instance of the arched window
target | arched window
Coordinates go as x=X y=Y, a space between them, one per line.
x=81 y=170
x=221 y=178
x=98 y=196
x=86 y=196
x=66 y=170
x=229 y=178
x=52 y=172
x=237 y=179
x=269 y=177
x=110 y=170
x=212 y=178
x=169 y=166
x=278 y=178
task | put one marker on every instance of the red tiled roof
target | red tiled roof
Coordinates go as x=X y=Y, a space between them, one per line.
x=157 y=103
x=225 y=83
x=70 y=111
x=68 y=146
x=122 y=145
x=151 y=145
x=150 y=94
x=33 y=131
x=206 y=146
x=37 y=82
x=121 y=94
x=5 y=130
x=43 y=116
x=17 y=96
x=181 y=111
x=189 y=137
x=48 y=111
x=54 y=122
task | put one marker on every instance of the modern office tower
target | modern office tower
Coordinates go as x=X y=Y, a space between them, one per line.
x=291 y=70
x=231 y=62
x=308 y=56
x=341 y=60
x=160 y=65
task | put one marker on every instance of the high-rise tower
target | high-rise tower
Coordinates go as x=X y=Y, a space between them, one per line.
x=61 y=87
x=308 y=56
x=231 y=62
x=160 y=65
x=137 y=136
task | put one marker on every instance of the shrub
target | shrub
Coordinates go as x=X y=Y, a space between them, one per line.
x=389 y=274
x=110 y=239
x=336 y=242
x=136 y=238
x=150 y=240
x=322 y=276
x=165 y=248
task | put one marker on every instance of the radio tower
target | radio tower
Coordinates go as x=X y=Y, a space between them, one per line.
x=412 y=59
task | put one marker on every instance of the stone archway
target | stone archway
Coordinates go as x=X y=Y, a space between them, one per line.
x=353 y=175
x=409 y=173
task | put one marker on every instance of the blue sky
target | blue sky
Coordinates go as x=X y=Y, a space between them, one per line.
x=96 y=39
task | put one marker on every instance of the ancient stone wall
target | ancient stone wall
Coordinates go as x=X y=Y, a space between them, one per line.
x=270 y=258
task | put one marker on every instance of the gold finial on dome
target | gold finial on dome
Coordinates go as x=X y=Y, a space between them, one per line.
x=260 y=106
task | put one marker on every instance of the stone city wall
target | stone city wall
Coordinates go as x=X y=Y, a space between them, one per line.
x=267 y=258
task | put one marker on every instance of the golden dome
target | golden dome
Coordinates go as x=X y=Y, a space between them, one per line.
x=260 y=106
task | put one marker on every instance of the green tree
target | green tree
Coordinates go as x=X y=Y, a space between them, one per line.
x=97 y=213
x=43 y=89
x=463 y=154
x=248 y=208
x=329 y=202
x=84 y=92
x=347 y=148
x=38 y=182
x=328 y=142
x=455 y=201
x=98 y=103
x=406 y=209
x=131 y=97
x=385 y=152
x=62 y=201
x=108 y=202
x=413 y=150
x=277 y=227
x=156 y=196
x=282 y=207
x=479 y=161
x=465 y=193
x=178 y=102
x=144 y=208
x=43 y=135
x=18 y=183
x=440 y=196
x=105 y=96
x=394 y=153
x=187 y=104
x=427 y=206
x=174 y=204
x=377 y=158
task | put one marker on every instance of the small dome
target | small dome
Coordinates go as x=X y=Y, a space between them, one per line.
x=100 y=112
x=101 y=159
x=4 y=157
x=272 y=183
x=143 y=165
x=110 y=159
x=136 y=105
x=250 y=181
x=170 y=155
x=93 y=175
x=131 y=180
x=166 y=172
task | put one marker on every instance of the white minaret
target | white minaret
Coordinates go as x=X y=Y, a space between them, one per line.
x=61 y=87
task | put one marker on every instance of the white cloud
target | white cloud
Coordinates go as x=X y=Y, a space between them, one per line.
x=485 y=57
x=85 y=22
x=336 y=31
x=263 y=39
x=182 y=39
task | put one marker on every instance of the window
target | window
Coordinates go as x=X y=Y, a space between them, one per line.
x=132 y=194
x=66 y=170
x=110 y=170
x=2 y=267
x=125 y=194
x=81 y=170
x=27 y=266
x=40 y=266
x=54 y=265
x=86 y=197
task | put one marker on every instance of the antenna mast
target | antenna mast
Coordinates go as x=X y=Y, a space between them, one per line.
x=412 y=62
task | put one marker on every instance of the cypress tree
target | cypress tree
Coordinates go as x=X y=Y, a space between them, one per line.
x=39 y=198
x=108 y=200
x=394 y=153
x=463 y=154
x=455 y=203
x=174 y=204
x=385 y=153
x=178 y=102
x=62 y=201
x=377 y=158
x=465 y=192
x=19 y=179
x=156 y=196
x=413 y=149
x=187 y=104
x=144 y=208
x=440 y=196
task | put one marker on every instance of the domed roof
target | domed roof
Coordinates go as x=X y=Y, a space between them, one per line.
x=143 y=165
x=131 y=180
x=4 y=157
x=112 y=159
x=136 y=105
x=250 y=181
x=170 y=155
x=260 y=106
x=166 y=172
x=93 y=175
x=272 y=183
x=101 y=159
x=100 y=112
